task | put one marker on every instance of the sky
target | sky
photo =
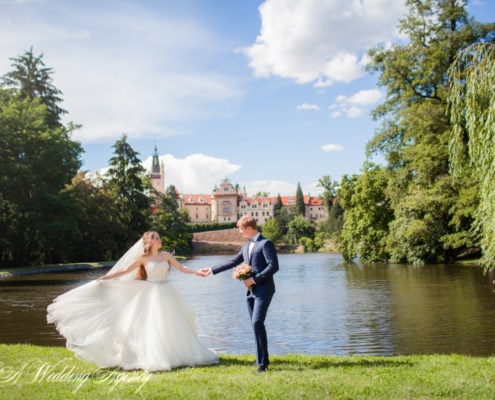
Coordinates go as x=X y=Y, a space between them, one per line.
x=269 y=94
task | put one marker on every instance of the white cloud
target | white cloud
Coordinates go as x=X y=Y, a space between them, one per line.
x=344 y=67
x=364 y=97
x=196 y=173
x=321 y=41
x=122 y=68
x=200 y=174
x=273 y=188
x=332 y=147
x=353 y=106
x=312 y=188
x=354 y=112
x=306 y=106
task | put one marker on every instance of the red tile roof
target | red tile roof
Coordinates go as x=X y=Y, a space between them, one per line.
x=196 y=199
x=287 y=201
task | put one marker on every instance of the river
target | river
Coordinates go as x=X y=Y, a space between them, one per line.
x=322 y=306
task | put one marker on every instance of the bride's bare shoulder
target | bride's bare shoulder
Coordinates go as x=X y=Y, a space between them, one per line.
x=140 y=260
x=165 y=255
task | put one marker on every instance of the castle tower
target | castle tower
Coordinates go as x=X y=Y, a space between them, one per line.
x=224 y=202
x=157 y=173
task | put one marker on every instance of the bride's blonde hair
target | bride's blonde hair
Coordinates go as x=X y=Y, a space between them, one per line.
x=147 y=238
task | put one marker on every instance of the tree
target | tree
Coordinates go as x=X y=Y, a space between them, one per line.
x=97 y=228
x=271 y=230
x=172 y=223
x=415 y=129
x=300 y=227
x=284 y=216
x=334 y=221
x=420 y=224
x=300 y=207
x=472 y=112
x=37 y=161
x=278 y=206
x=367 y=214
x=127 y=186
x=32 y=80
x=329 y=191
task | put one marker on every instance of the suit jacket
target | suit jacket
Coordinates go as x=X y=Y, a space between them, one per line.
x=263 y=262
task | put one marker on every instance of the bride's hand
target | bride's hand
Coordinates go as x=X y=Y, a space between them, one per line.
x=204 y=272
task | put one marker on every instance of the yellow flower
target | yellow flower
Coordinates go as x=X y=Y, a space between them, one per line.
x=242 y=272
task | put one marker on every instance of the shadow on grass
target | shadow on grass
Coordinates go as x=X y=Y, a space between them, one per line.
x=300 y=363
x=234 y=362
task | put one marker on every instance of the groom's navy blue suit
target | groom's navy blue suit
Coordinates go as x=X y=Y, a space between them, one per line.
x=264 y=263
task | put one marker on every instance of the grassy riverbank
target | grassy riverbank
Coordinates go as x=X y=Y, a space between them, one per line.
x=53 y=373
x=49 y=268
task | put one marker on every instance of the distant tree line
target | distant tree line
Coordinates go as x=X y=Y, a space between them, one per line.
x=211 y=226
x=433 y=199
x=430 y=201
x=50 y=211
x=437 y=114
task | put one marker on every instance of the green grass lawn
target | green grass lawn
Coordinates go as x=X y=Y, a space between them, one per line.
x=35 y=372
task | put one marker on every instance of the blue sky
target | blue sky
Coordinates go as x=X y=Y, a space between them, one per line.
x=266 y=93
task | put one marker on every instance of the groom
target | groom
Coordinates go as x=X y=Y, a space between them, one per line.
x=258 y=252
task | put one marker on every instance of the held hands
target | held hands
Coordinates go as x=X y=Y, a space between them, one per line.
x=204 y=272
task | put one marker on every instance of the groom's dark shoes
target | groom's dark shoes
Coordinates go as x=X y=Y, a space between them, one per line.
x=261 y=369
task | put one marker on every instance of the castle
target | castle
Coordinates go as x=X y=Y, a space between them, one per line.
x=227 y=204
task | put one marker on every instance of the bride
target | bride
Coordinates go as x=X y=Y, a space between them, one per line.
x=132 y=317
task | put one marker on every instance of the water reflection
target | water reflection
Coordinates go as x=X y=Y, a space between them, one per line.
x=321 y=307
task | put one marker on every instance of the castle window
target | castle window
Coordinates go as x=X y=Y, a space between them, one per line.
x=226 y=207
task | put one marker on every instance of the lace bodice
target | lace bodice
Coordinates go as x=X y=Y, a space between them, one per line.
x=157 y=270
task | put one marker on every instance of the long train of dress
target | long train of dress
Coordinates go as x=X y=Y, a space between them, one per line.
x=130 y=324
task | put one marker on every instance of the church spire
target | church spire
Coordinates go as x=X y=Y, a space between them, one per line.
x=157 y=172
x=155 y=167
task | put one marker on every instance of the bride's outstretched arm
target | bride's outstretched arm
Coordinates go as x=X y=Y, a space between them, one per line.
x=130 y=268
x=177 y=265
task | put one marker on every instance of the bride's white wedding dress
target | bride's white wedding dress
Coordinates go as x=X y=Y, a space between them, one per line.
x=130 y=324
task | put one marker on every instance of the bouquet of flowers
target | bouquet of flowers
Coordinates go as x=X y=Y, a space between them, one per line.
x=242 y=272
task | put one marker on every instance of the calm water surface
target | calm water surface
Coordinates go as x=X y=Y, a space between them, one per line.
x=321 y=307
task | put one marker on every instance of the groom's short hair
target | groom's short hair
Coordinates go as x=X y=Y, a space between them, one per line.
x=247 y=221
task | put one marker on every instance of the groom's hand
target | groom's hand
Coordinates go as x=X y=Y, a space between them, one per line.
x=204 y=271
x=249 y=283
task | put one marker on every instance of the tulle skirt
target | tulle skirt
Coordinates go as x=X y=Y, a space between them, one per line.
x=130 y=324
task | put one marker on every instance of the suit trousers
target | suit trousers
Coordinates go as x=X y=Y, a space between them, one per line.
x=258 y=307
